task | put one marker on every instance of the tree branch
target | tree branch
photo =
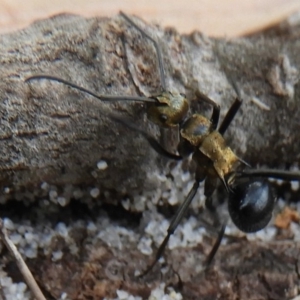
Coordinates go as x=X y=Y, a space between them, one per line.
x=52 y=133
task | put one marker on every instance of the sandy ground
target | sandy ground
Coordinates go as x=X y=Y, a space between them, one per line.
x=57 y=239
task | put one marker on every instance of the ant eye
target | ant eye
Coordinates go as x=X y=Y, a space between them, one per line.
x=163 y=118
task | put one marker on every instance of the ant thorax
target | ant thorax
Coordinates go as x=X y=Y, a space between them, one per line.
x=169 y=111
x=198 y=132
x=195 y=129
x=224 y=159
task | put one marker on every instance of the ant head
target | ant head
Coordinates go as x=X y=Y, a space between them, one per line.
x=170 y=110
x=251 y=203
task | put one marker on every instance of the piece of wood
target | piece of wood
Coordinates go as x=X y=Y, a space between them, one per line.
x=23 y=268
x=51 y=133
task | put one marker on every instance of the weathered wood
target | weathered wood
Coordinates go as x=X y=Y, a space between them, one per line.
x=51 y=133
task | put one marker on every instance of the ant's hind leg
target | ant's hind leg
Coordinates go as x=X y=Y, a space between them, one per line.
x=215 y=247
x=209 y=188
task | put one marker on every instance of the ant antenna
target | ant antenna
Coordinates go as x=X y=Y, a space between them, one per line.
x=157 y=48
x=82 y=89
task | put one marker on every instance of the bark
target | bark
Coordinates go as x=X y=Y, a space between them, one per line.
x=52 y=133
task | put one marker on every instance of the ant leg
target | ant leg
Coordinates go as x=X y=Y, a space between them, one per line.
x=243 y=162
x=151 y=140
x=209 y=205
x=209 y=188
x=174 y=223
x=227 y=120
x=237 y=103
x=216 y=108
x=230 y=115
x=269 y=173
x=215 y=247
x=156 y=46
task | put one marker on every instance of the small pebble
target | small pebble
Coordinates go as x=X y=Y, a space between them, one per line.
x=102 y=165
x=95 y=192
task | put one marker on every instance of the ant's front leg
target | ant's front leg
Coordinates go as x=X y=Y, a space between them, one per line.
x=151 y=140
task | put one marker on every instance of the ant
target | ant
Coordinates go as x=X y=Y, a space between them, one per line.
x=251 y=199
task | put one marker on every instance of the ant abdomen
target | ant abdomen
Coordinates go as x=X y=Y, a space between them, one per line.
x=251 y=204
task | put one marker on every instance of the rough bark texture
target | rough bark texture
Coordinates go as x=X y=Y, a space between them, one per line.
x=54 y=134
x=51 y=133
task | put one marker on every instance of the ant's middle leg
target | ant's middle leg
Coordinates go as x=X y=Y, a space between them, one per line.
x=230 y=115
x=237 y=103
x=209 y=188
x=174 y=223
x=228 y=119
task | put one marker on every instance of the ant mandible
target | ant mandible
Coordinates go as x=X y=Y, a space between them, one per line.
x=251 y=200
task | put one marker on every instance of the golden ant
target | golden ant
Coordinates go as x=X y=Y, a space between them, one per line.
x=251 y=200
